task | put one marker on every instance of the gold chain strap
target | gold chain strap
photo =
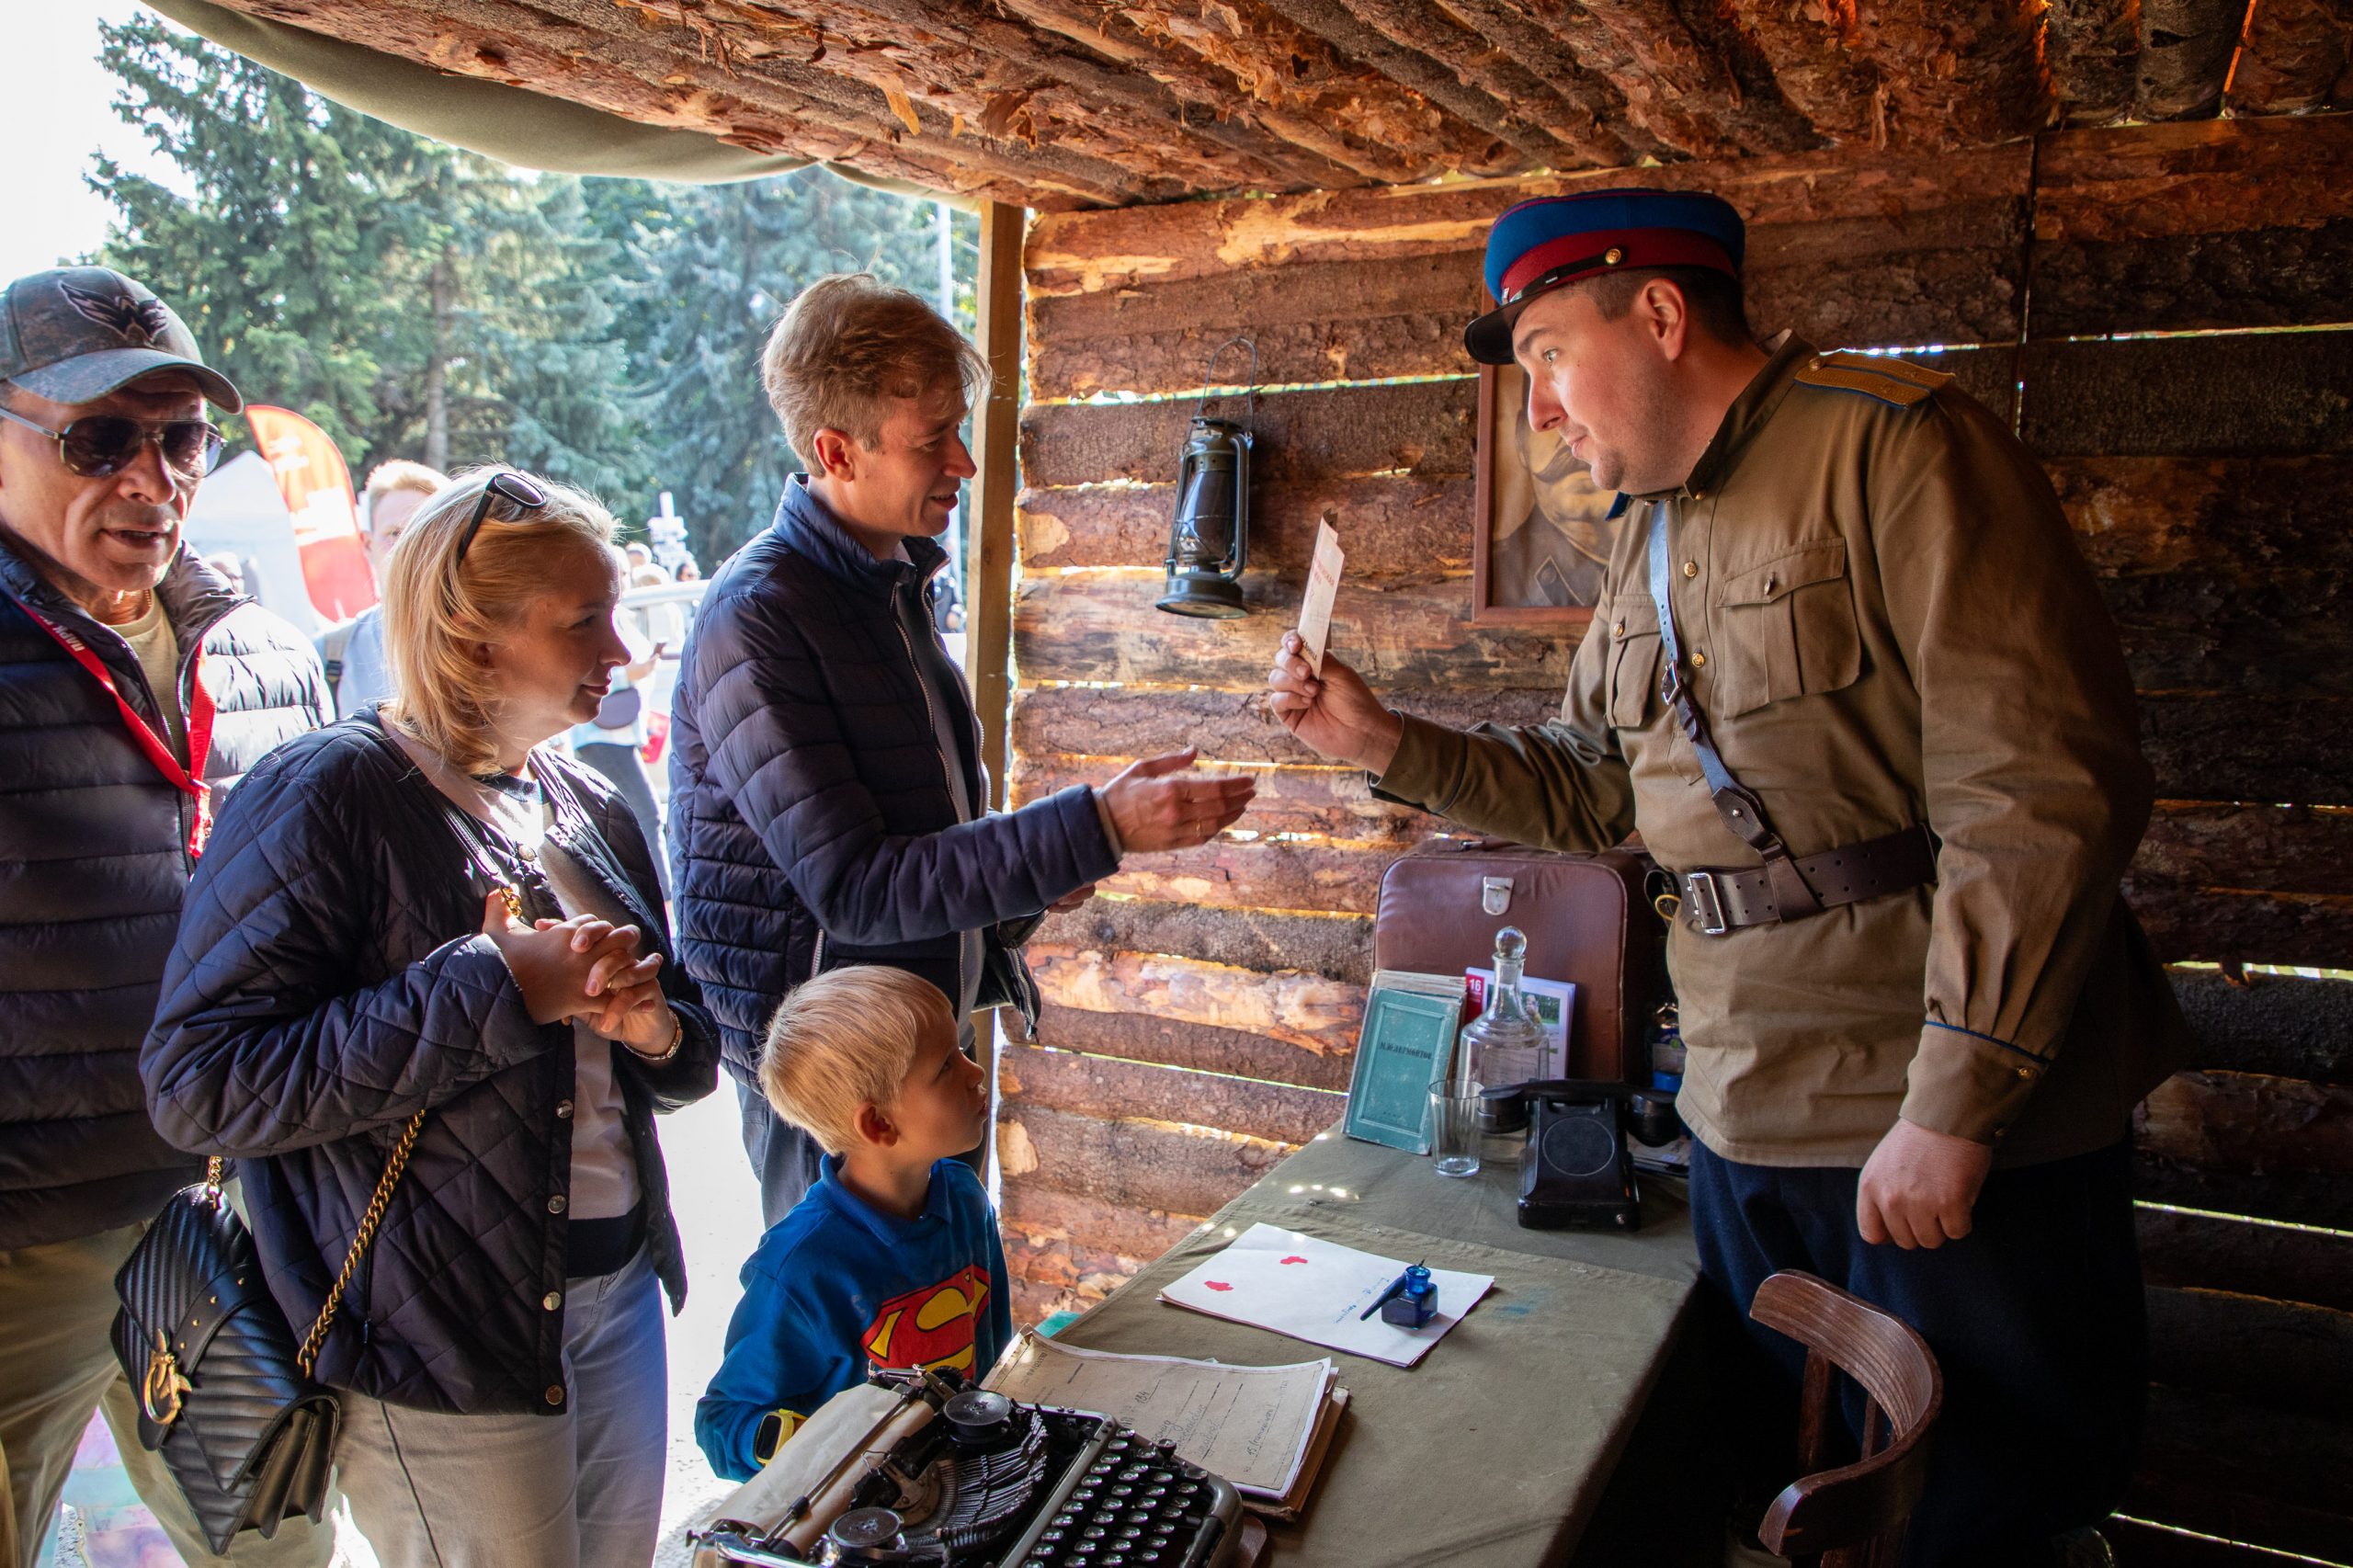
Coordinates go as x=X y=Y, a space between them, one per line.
x=313 y=1341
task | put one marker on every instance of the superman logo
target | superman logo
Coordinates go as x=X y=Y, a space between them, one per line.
x=932 y=1326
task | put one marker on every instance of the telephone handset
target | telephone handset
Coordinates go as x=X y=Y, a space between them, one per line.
x=1575 y=1169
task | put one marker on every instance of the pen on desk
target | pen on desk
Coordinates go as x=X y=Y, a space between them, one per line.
x=1392 y=1289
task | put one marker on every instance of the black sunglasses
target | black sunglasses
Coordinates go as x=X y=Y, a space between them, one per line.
x=100 y=446
x=526 y=495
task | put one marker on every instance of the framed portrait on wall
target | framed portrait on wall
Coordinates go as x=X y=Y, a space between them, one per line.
x=1542 y=529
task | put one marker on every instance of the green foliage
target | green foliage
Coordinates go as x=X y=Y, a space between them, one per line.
x=606 y=332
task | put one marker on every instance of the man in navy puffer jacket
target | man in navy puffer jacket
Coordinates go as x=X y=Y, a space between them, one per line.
x=102 y=446
x=826 y=800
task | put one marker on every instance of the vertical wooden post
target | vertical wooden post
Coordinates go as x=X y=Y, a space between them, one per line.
x=996 y=428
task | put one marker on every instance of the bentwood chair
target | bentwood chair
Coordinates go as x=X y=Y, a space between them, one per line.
x=1851 y=1516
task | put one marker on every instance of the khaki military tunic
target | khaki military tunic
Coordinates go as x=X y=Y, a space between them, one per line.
x=1886 y=623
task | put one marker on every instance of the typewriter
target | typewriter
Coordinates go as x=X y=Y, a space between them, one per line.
x=919 y=1468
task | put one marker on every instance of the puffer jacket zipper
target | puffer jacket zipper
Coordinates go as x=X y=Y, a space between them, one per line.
x=931 y=722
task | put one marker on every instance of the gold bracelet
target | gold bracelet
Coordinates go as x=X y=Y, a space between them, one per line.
x=677 y=1037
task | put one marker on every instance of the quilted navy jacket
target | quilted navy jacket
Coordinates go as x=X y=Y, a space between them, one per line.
x=810 y=818
x=94 y=864
x=330 y=980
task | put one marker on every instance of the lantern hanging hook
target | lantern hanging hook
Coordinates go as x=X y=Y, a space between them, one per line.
x=1209 y=378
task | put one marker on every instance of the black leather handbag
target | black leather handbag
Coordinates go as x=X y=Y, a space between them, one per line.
x=225 y=1394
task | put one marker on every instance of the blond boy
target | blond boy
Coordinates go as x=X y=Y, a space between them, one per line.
x=892 y=1259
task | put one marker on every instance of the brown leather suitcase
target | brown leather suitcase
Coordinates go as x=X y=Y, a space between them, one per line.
x=1588 y=918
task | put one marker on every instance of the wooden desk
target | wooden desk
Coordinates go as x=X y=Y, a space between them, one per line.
x=1501 y=1447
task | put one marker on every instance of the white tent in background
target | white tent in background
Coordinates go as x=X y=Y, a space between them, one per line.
x=239 y=512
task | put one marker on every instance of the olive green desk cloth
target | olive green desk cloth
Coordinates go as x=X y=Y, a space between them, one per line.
x=1496 y=1448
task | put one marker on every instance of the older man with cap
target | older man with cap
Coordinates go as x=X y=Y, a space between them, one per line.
x=1857 y=692
x=135 y=686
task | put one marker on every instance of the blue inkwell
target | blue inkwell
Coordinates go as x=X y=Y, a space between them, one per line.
x=1415 y=1302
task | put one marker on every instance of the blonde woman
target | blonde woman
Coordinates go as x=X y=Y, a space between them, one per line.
x=351 y=957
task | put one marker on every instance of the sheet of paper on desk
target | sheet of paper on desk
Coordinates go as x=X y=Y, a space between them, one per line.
x=1250 y=1425
x=1317 y=1290
x=1322 y=585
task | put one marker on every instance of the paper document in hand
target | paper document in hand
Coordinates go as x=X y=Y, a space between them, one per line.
x=1250 y=1425
x=1317 y=1290
x=1323 y=584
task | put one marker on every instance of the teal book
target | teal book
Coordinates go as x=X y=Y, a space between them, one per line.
x=1407 y=1041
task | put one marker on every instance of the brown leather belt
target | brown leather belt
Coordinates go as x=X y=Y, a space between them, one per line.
x=1721 y=901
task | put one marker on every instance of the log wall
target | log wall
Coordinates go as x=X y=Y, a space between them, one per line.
x=2167 y=314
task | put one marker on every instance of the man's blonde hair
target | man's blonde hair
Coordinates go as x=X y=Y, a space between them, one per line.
x=402 y=474
x=844 y=1040
x=435 y=605
x=847 y=346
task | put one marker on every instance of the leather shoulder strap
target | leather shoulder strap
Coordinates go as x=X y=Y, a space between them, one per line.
x=1896 y=381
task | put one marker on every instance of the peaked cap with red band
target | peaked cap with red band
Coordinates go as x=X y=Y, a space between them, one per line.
x=1539 y=245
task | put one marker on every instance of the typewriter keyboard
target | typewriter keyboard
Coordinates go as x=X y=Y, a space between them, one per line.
x=1138 y=1506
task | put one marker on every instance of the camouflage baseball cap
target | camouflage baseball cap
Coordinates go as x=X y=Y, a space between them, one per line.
x=74 y=334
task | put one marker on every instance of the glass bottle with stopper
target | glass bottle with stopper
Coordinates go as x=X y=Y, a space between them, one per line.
x=1504 y=1044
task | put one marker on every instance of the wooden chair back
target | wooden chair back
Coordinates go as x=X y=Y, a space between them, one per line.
x=1852 y=1517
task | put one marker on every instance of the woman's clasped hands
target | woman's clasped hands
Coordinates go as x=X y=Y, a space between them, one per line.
x=584 y=969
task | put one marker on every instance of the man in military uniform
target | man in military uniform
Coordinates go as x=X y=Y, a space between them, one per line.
x=1880 y=731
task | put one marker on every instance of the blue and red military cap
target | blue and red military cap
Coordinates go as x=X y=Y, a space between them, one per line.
x=1539 y=245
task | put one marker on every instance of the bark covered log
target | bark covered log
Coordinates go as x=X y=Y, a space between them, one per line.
x=1136 y=1165
x=843 y=124
x=1351 y=35
x=2287 y=1026
x=2298 y=55
x=1100 y=627
x=2278 y=1262
x=1075 y=253
x=1422 y=427
x=1670 y=93
x=1300 y=1009
x=973 y=63
x=2093 y=47
x=2285 y=393
x=1234 y=726
x=1109 y=1089
x=1390 y=528
x=2280 y=1354
x=2185 y=49
x=1958 y=75
x=2217 y=925
x=1139 y=1037
x=1418 y=148
x=2249 y=746
x=1334 y=947
x=1816 y=55
x=2214 y=223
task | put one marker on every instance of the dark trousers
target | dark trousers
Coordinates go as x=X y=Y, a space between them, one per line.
x=2037 y=1321
x=620 y=765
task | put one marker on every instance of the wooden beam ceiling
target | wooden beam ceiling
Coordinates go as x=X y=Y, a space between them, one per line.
x=1067 y=103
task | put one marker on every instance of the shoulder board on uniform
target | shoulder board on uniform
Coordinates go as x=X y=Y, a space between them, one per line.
x=1889 y=380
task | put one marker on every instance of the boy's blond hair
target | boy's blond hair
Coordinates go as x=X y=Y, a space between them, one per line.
x=844 y=1040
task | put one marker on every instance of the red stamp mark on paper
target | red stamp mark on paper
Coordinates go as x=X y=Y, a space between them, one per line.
x=1295 y=1258
x=1217 y=1284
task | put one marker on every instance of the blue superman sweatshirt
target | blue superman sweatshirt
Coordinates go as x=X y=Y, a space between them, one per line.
x=836 y=1285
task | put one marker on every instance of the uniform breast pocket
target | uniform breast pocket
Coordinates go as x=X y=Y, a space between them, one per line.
x=1787 y=628
x=1633 y=659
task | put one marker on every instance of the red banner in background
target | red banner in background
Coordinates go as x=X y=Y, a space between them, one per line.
x=317 y=488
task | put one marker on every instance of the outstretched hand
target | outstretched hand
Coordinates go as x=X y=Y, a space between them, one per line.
x=1156 y=808
x=1336 y=717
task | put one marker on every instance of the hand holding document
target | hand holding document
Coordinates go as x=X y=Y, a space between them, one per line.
x=1317 y=1290
x=1322 y=585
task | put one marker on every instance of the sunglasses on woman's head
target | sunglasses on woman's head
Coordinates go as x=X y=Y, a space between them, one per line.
x=100 y=446
x=525 y=494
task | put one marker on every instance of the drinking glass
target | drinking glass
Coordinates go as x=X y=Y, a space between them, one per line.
x=1454 y=1128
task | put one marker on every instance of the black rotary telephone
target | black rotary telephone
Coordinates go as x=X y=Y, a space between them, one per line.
x=1575 y=1169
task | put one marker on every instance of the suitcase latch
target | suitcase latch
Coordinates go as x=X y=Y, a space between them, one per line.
x=1494 y=894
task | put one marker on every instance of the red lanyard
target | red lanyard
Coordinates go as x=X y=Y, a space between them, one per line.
x=157 y=750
